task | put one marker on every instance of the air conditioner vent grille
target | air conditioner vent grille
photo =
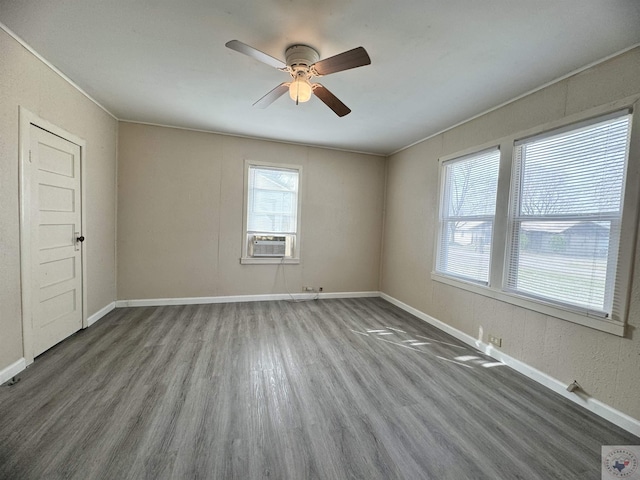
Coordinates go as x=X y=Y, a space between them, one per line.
x=269 y=246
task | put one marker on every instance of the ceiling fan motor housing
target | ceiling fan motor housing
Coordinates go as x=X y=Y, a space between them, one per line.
x=301 y=55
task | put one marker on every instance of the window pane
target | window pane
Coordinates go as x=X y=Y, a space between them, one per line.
x=466 y=216
x=576 y=173
x=466 y=248
x=566 y=229
x=471 y=185
x=563 y=261
x=273 y=200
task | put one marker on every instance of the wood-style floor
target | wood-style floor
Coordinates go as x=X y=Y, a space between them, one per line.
x=330 y=389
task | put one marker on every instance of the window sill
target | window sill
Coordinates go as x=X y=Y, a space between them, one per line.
x=269 y=261
x=605 y=325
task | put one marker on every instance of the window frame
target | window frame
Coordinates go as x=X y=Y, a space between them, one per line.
x=516 y=217
x=499 y=250
x=245 y=258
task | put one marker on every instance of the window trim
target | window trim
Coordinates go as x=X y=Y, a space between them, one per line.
x=626 y=253
x=245 y=259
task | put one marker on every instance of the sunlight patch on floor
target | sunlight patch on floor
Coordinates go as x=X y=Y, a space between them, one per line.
x=396 y=336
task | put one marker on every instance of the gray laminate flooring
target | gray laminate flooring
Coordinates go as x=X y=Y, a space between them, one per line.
x=329 y=389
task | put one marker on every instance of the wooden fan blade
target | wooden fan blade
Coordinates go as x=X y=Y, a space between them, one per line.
x=272 y=96
x=238 y=46
x=357 y=57
x=330 y=100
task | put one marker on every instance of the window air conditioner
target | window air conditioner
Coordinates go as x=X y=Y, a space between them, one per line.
x=268 y=246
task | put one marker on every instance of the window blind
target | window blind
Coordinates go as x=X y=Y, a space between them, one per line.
x=467 y=211
x=566 y=210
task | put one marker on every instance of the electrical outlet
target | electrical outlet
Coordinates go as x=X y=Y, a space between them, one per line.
x=497 y=341
x=307 y=289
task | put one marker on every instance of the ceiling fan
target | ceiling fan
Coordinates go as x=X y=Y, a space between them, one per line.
x=303 y=63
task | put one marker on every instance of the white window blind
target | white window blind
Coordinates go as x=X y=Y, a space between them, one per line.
x=272 y=205
x=566 y=209
x=467 y=211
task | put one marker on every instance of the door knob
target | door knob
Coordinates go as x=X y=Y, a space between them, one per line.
x=80 y=239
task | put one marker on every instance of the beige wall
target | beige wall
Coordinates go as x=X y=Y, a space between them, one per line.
x=26 y=81
x=180 y=201
x=607 y=366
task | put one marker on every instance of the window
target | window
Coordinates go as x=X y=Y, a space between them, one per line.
x=560 y=237
x=566 y=213
x=271 y=213
x=467 y=211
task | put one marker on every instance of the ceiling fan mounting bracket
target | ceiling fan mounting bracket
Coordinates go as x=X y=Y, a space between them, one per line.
x=301 y=55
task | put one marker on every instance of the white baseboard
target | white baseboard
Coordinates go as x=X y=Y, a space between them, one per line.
x=158 y=302
x=19 y=365
x=100 y=313
x=601 y=409
x=373 y=294
x=12 y=370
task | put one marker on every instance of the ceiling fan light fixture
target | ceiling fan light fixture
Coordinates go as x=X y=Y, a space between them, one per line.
x=303 y=64
x=300 y=90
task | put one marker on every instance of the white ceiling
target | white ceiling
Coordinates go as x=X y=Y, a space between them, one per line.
x=435 y=63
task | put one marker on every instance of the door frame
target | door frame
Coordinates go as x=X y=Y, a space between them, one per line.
x=27 y=119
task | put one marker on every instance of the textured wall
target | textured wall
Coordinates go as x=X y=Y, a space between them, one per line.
x=180 y=201
x=26 y=81
x=607 y=366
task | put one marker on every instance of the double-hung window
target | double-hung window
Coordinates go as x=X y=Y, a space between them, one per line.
x=562 y=241
x=467 y=211
x=271 y=213
x=566 y=212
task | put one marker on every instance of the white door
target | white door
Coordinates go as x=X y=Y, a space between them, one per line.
x=56 y=233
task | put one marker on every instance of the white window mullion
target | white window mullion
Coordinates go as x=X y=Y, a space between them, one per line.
x=501 y=223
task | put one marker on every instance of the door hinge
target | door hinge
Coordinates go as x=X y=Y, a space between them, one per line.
x=29 y=156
